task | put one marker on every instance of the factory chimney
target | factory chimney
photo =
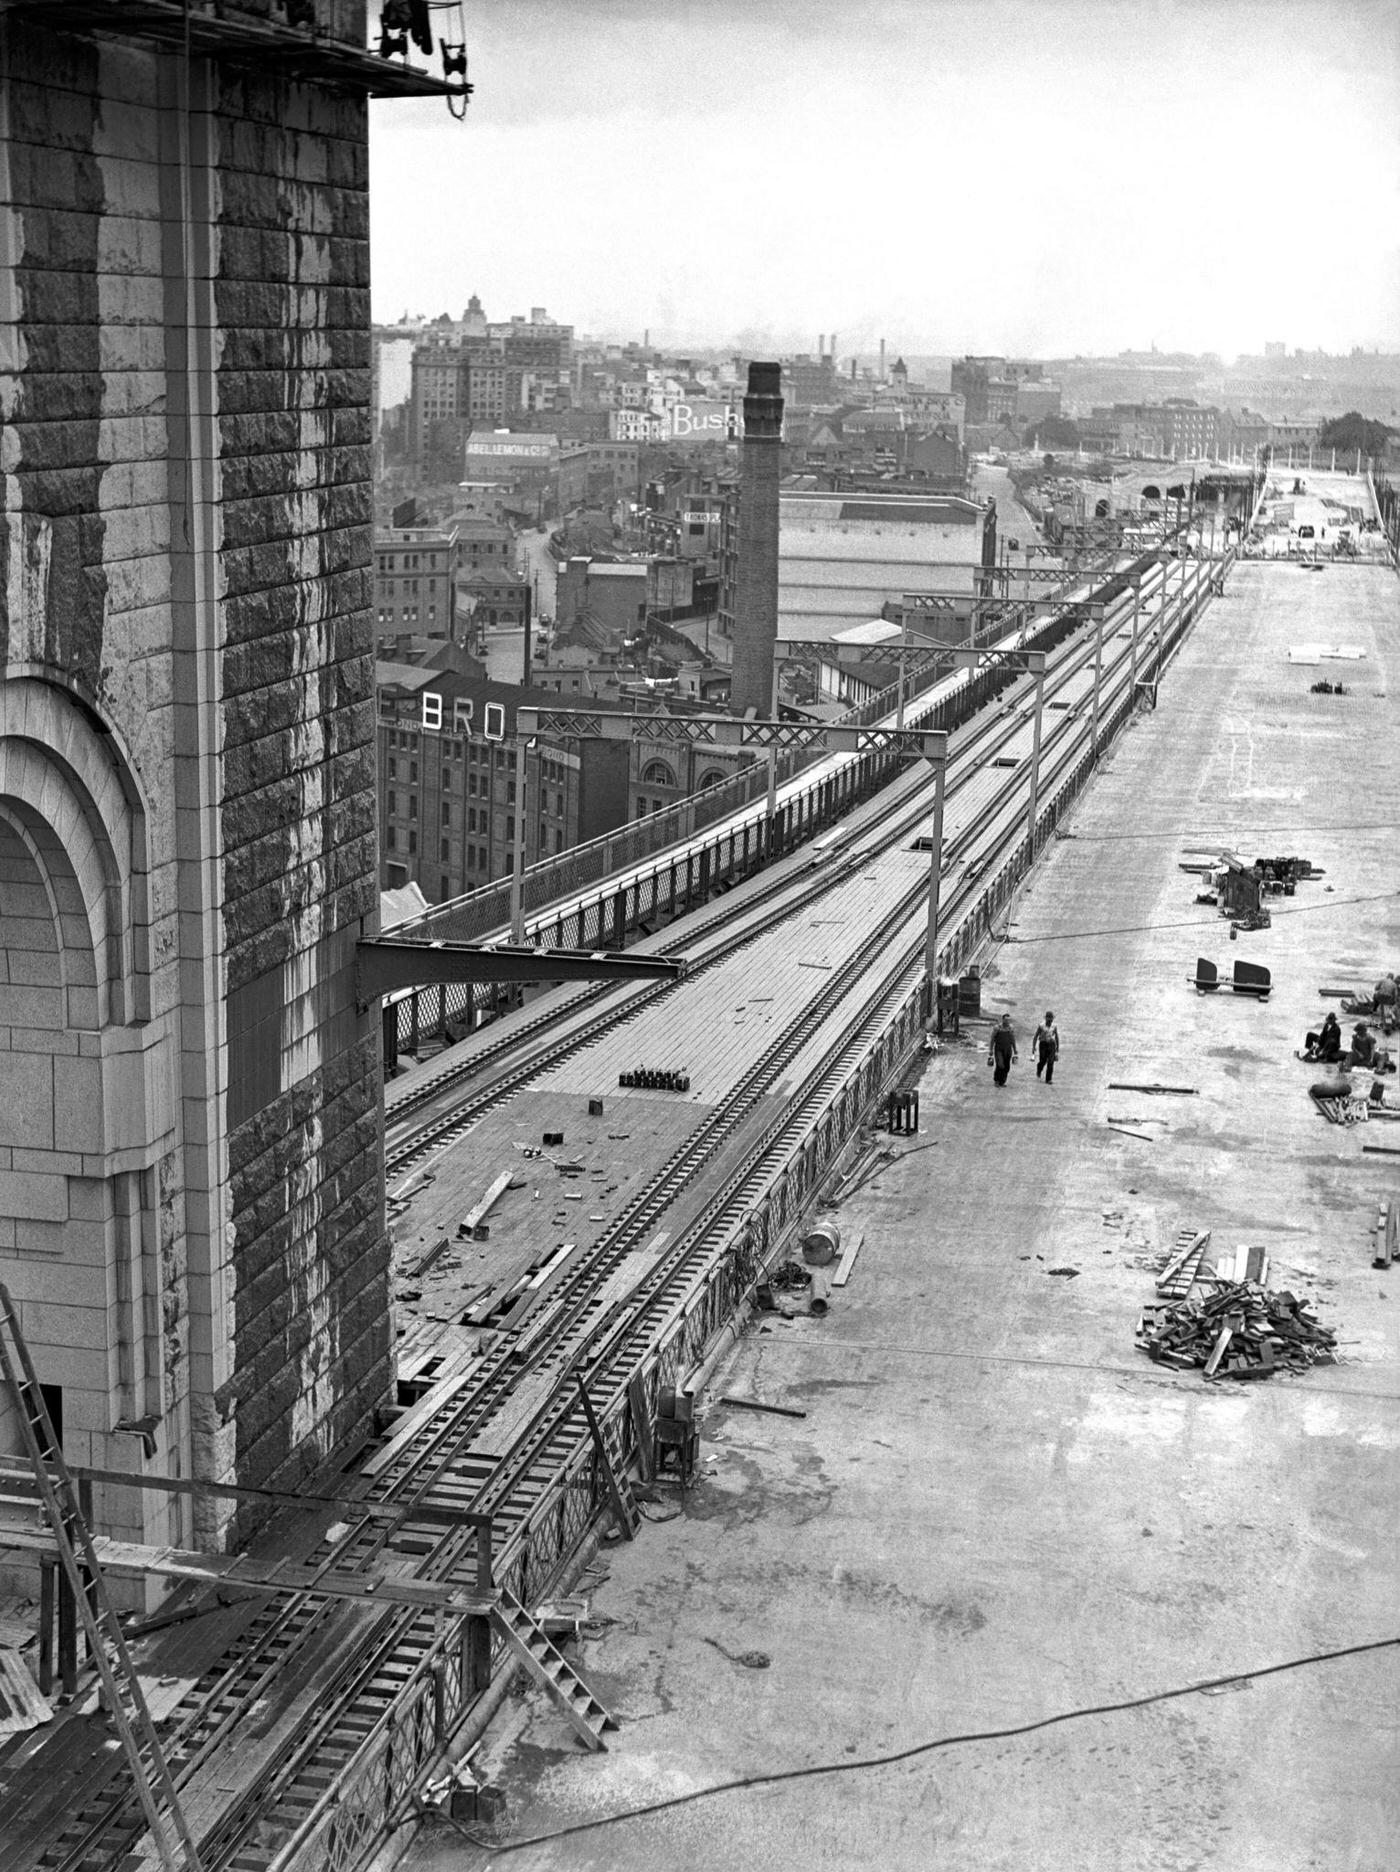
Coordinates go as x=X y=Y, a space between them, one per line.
x=833 y=347
x=882 y=360
x=821 y=346
x=756 y=593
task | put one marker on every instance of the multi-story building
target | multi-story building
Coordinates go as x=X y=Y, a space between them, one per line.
x=1176 y=430
x=988 y=385
x=843 y=556
x=636 y=425
x=810 y=382
x=447 y=765
x=495 y=391
x=473 y=372
x=414 y=569
x=934 y=409
x=1189 y=430
x=1288 y=436
x=1244 y=435
x=482 y=545
x=610 y=594
x=538 y=344
x=490 y=598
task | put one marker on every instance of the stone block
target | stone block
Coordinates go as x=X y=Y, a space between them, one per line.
x=26 y=1101
x=77 y=1105
x=33 y=1196
x=65 y=1332
x=42 y=1039
x=89 y=1199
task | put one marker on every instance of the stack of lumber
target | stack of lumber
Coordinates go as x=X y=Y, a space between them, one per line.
x=1237 y=1329
x=1343 y=1110
x=1179 y=1275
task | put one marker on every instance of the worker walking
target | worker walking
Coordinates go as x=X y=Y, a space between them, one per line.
x=1047 y=1047
x=1002 y=1050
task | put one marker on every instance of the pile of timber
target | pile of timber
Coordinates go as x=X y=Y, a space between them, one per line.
x=1347 y=1109
x=1236 y=1329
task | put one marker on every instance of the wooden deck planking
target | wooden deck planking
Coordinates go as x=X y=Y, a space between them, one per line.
x=626 y=1147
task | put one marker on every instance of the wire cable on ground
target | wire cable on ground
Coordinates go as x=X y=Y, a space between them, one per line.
x=938 y=1742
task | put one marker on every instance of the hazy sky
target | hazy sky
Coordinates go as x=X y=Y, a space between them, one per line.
x=1013 y=175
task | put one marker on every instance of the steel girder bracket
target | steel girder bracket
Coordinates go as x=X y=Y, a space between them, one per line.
x=383 y=965
x=733 y=731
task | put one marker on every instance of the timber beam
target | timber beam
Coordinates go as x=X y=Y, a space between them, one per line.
x=369 y=1590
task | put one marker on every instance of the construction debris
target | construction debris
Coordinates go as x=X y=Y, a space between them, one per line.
x=1341 y=1107
x=1387 y=1232
x=1238 y=1329
x=655 y=1079
x=769 y=1410
x=847 y=1261
x=1178 y=1277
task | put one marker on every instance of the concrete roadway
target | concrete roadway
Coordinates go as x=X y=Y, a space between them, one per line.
x=996 y=1511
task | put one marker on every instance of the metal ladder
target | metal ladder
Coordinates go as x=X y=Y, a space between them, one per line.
x=120 y=1684
x=546 y=1663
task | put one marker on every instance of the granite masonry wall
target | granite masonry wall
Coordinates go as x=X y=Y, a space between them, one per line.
x=191 y=1210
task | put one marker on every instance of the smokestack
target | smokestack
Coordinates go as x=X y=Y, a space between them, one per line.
x=821 y=346
x=833 y=347
x=756 y=595
x=882 y=360
x=853 y=370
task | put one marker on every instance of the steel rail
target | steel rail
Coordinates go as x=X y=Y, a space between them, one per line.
x=416 y=1096
x=666 y=1275
x=436 y=1134
x=558 y=1429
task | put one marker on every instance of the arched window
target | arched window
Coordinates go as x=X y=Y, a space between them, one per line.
x=711 y=777
x=1151 y=493
x=657 y=773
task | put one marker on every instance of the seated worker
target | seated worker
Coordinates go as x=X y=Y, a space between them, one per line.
x=1363 y=1046
x=1326 y=1044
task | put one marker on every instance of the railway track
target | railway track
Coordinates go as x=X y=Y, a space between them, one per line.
x=446 y=1464
x=417 y=1129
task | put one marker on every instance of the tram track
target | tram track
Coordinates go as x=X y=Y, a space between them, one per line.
x=560 y=1033
x=609 y=1346
x=436 y=1469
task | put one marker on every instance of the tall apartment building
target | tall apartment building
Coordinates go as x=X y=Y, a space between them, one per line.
x=473 y=373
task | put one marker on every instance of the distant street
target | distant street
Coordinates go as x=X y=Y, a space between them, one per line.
x=1013 y=522
x=533 y=556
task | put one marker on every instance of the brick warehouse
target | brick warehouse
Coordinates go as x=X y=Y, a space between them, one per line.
x=191 y=1205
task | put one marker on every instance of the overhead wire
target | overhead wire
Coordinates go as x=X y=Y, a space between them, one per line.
x=1139 y=929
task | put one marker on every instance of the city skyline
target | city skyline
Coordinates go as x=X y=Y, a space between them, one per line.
x=950 y=179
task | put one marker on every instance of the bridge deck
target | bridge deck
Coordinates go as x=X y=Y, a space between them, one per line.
x=995 y=1509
